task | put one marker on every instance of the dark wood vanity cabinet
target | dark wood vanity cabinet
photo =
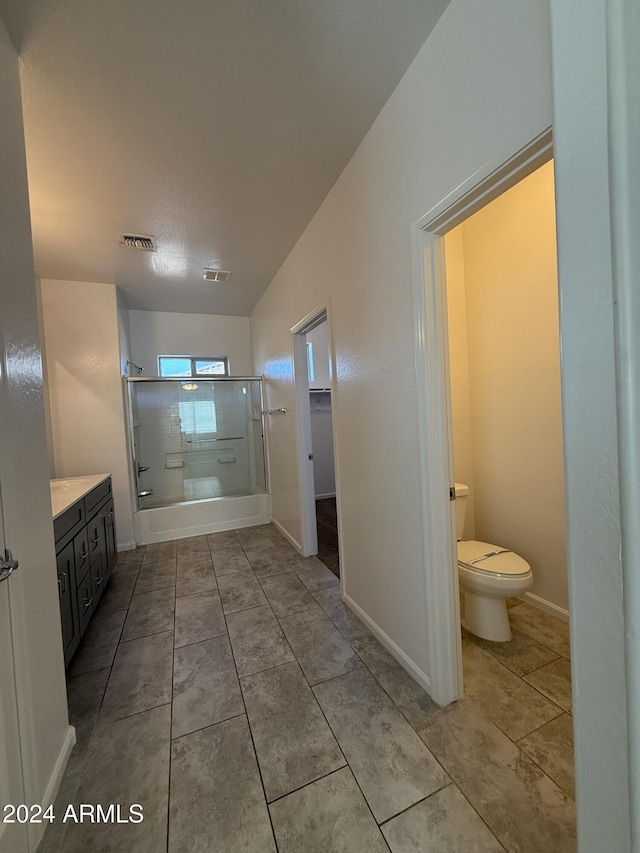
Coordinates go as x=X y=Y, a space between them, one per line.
x=86 y=553
x=66 y=593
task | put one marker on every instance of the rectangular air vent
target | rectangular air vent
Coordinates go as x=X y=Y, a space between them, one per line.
x=216 y=275
x=144 y=242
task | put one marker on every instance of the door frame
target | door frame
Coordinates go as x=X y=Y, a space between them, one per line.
x=308 y=522
x=435 y=461
x=12 y=788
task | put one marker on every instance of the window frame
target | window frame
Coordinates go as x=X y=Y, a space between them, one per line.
x=193 y=359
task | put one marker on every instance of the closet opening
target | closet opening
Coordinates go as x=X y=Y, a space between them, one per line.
x=314 y=378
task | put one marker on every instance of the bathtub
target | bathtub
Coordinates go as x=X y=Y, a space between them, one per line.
x=195 y=518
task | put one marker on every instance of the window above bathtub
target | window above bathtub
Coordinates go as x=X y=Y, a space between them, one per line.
x=192 y=365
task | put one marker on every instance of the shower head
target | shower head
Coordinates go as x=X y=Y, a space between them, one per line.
x=134 y=365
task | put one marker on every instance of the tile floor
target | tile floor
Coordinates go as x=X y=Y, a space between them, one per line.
x=224 y=687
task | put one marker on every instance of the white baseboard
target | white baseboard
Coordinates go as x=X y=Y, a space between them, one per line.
x=405 y=662
x=36 y=830
x=287 y=535
x=127 y=546
x=547 y=606
x=328 y=495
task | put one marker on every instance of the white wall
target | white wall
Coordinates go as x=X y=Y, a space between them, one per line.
x=586 y=72
x=85 y=388
x=155 y=333
x=511 y=310
x=480 y=83
x=33 y=594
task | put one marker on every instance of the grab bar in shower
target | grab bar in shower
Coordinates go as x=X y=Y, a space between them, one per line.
x=202 y=440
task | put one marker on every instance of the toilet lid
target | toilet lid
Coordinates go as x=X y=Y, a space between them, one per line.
x=483 y=557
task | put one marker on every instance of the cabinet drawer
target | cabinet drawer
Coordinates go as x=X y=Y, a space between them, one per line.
x=97 y=496
x=85 y=602
x=69 y=523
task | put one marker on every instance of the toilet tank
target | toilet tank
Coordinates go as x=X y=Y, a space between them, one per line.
x=462 y=492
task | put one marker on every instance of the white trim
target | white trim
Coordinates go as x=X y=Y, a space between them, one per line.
x=37 y=830
x=404 y=660
x=321 y=313
x=623 y=65
x=443 y=601
x=126 y=546
x=434 y=403
x=483 y=185
x=328 y=495
x=547 y=606
x=308 y=529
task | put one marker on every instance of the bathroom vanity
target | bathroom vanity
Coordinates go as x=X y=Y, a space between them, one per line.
x=85 y=535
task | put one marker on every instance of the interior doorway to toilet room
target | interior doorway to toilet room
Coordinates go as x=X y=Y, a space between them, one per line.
x=504 y=380
x=435 y=243
x=313 y=368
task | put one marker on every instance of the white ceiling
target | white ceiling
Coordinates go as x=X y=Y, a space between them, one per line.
x=216 y=125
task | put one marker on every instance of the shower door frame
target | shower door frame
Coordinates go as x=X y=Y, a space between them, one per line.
x=131 y=435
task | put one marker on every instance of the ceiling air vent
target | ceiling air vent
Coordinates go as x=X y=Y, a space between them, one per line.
x=138 y=241
x=216 y=275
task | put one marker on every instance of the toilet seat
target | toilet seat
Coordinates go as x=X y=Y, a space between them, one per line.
x=490 y=560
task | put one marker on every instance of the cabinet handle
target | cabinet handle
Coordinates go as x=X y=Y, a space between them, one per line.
x=59 y=587
x=87 y=602
x=84 y=556
x=63 y=589
x=98 y=582
x=95 y=541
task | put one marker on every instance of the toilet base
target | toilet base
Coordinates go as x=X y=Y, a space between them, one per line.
x=486 y=617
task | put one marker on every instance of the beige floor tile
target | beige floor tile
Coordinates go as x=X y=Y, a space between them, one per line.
x=217 y=802
x=443 y=823
x=294 y=744
x=522 y=654
x=205 y=686
x=546 y=629
x=515 y=707
x=393 y=768
x=551 y=747
x=554 y=680
x=328 y=816
x=520 y=804
x=319 y=647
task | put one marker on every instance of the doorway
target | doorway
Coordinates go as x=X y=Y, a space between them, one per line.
x=504 y=379
x=313 y=379
x=434 y=402
x=324 y=476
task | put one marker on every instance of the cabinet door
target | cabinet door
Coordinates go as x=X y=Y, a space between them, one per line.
x=95 y=532
x=110 y=537
x=66 y=592
x=98 y=579
x=85 y=602
x=81 y=554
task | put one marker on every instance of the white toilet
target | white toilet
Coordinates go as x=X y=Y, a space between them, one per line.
x=488 y=576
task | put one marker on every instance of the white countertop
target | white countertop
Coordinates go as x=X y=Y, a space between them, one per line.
x=67 y=490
